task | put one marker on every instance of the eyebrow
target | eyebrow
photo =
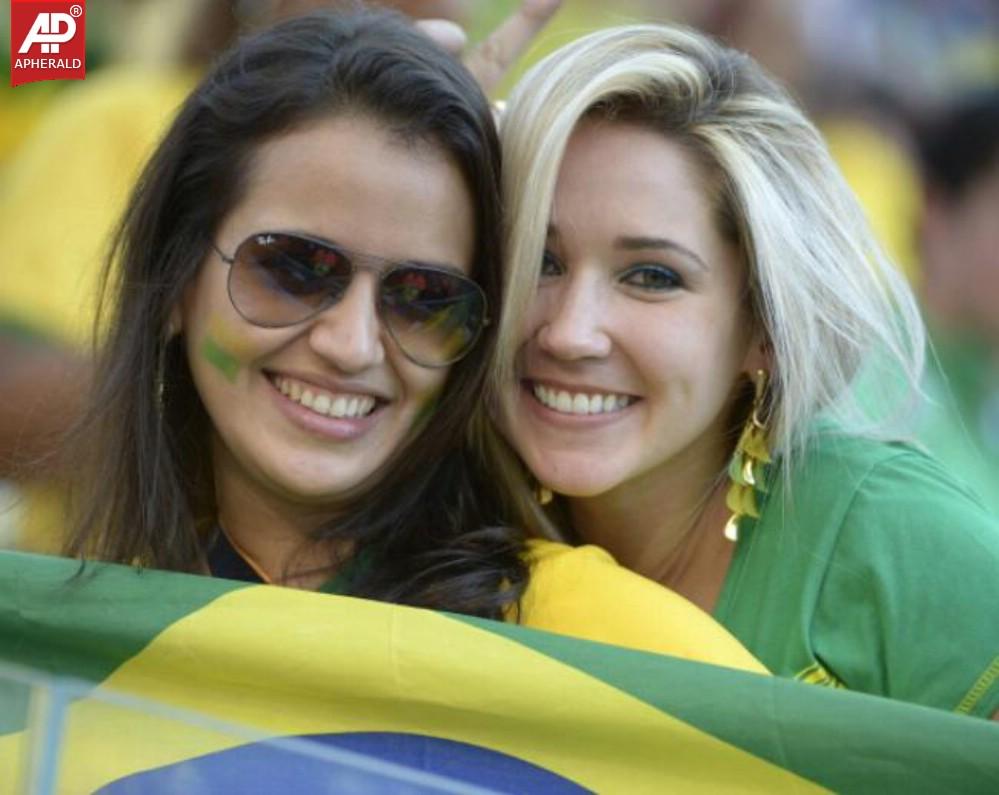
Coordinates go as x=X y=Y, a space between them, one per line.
x=628 y=243
x=643 y=242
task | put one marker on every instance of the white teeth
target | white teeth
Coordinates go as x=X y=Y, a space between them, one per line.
x=579 y=403
x=321 y=405
x=338 y=406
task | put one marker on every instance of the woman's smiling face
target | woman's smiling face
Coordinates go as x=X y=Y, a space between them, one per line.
x=305 y=413
x=639 y=330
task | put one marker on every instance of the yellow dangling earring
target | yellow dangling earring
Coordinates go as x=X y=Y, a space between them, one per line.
x=744 y=470
x=543 y=495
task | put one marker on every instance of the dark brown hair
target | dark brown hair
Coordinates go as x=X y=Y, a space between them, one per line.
x=427 y=518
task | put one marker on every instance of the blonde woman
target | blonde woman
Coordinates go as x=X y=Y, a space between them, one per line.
x=692 y=295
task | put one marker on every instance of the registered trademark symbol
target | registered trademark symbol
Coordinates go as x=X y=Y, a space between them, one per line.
x=76 y=11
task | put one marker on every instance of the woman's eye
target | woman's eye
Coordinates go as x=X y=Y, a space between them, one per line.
x=550 y=266
x=653 y=277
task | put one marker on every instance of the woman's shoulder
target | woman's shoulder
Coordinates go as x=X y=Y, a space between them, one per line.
x=910 y=554
x=583 y=592
x=851 y=454
x=542 y=552
x=849 y=491
x=861 y=473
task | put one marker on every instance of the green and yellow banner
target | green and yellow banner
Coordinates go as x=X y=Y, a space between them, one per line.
x=117 y=681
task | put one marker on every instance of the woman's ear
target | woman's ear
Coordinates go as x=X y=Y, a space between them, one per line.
x=759 y=355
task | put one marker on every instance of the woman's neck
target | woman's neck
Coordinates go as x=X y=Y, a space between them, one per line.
x=667 y=526
x=273 y=535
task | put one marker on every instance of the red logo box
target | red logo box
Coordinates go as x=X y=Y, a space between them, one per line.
x=47 y=41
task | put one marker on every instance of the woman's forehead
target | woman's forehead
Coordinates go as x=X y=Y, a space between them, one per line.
x=631 y=174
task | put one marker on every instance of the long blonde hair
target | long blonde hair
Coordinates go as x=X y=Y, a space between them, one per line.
x=827 y=299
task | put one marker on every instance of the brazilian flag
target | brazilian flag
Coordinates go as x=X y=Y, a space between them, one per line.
x=121 y=681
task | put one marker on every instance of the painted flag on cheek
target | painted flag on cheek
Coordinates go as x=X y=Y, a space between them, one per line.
x=119 y=681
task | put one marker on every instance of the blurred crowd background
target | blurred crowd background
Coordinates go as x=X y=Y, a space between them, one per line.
x=905 y=91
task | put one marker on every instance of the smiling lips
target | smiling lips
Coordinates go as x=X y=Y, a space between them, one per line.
x=565 y=402
x=327 y=404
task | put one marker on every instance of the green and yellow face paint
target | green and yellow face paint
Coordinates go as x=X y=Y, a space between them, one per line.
x=221 y=349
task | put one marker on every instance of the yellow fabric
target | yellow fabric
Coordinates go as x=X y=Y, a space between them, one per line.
x=20 y=110
x=43 y=519
x=66 y=189
x=582 y=591
x=62 y=196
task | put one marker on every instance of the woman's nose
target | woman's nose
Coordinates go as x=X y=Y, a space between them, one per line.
x=349 y=334
x=573 y=319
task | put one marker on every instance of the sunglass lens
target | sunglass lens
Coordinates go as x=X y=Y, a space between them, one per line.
x=278 y=280
x=435 y=316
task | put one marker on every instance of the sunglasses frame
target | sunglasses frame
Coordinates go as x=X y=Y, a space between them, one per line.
x=357 y=261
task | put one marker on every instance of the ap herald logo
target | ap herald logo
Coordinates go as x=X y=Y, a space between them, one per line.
x=47 y=41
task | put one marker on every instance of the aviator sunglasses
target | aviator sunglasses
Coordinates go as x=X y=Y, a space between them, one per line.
x=277 y=279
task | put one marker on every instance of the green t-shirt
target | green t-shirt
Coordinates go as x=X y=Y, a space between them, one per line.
x=878 y=573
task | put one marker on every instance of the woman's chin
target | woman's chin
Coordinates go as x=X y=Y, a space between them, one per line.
x=582 y=484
